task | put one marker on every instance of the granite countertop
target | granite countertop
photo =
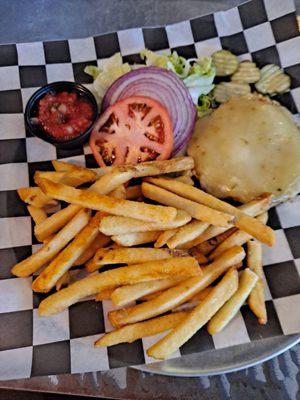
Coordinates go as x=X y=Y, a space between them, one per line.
x=30 y=20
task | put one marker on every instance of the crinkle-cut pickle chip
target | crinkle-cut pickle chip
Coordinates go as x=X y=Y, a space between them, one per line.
x=247 y=73
x=273 y=80
x=225 y=62
x=224 y=90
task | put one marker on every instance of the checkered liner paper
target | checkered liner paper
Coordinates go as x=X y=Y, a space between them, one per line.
x=265 y=31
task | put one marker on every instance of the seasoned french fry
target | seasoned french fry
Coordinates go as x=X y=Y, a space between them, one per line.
x=104 y=295
x=37 y=214
x=99 y=242
x=94 y=201
x=63 y=166
x=35 y=197
x=225 y=314
x=187 y=233
x=55 y=222
x=200 y=296
x=110 y=182
x=238 y=238
x=116 y=225
x=133 y=192
x=224 y=62
x=179 y=294
x=164 y=237
x=130 y=333
x=61 y=217
x=151 y=168
x=64 y=261
x=91 y=285
x=256 y=300
x=247 y=73
x=196 y=210
x=244 y=222
x=136 y=238
x=253 y=208
x=64 y=280
x=208 y=246
x=131 y=256
x=185 y=179
x=198 y=317
x=72 y=178
x=48 y=251
x=125 y=294
x=119 y=192
x=150 y=296
x=200 y=257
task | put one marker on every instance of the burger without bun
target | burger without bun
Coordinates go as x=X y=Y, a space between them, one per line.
x=248 y=146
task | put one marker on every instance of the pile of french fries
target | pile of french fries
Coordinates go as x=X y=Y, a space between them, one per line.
x=180 y=249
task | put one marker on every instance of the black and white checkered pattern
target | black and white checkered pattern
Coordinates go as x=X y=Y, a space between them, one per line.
x=265 y=31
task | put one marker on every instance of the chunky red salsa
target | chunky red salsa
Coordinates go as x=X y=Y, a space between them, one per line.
x=64 y=115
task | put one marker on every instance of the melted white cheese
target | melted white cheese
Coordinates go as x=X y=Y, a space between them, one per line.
x=245 y=148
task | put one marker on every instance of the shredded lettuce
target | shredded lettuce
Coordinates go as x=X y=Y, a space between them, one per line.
x=179 y=65
x=110 y=70
x=154 y=59
x=204 y=105
x=197 y=74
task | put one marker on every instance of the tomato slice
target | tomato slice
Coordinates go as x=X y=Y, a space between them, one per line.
x=133 y=130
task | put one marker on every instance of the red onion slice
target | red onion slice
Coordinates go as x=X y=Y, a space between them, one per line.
x=164 y=86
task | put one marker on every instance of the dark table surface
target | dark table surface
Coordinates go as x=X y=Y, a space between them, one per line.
x=30 y=20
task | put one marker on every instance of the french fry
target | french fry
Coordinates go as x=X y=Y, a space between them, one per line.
x=55 y=222
x=226 y=313
x=196 y=210
x=37 y=214
x=256 y=300
x=200 y=296
x=198 y=317
x=64 y=280
x=93 y=284
x=94 y=201
x=138 y=255
x=150 y=296
x=187 y=233
x=119 y=192
x=125 y=294
x=200 y=257
x=35 y=197
x=104 y=295
x=242 y=221
x=110 y=182
x=99 y=242
x=178 y=294
x=151 y=168
x=71 y=178
x=133 y=192
x=130 y=333
x=253 y=208
x=116 y=225
x=63 y=166
x=64 y=261
x=238 y=238
x=136 y=238
x=164 y=237
x=61 y=217
x=185 y=179
x=208 y=246
x=48 y=251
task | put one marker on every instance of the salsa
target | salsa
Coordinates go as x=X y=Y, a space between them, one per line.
x=64 y=115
